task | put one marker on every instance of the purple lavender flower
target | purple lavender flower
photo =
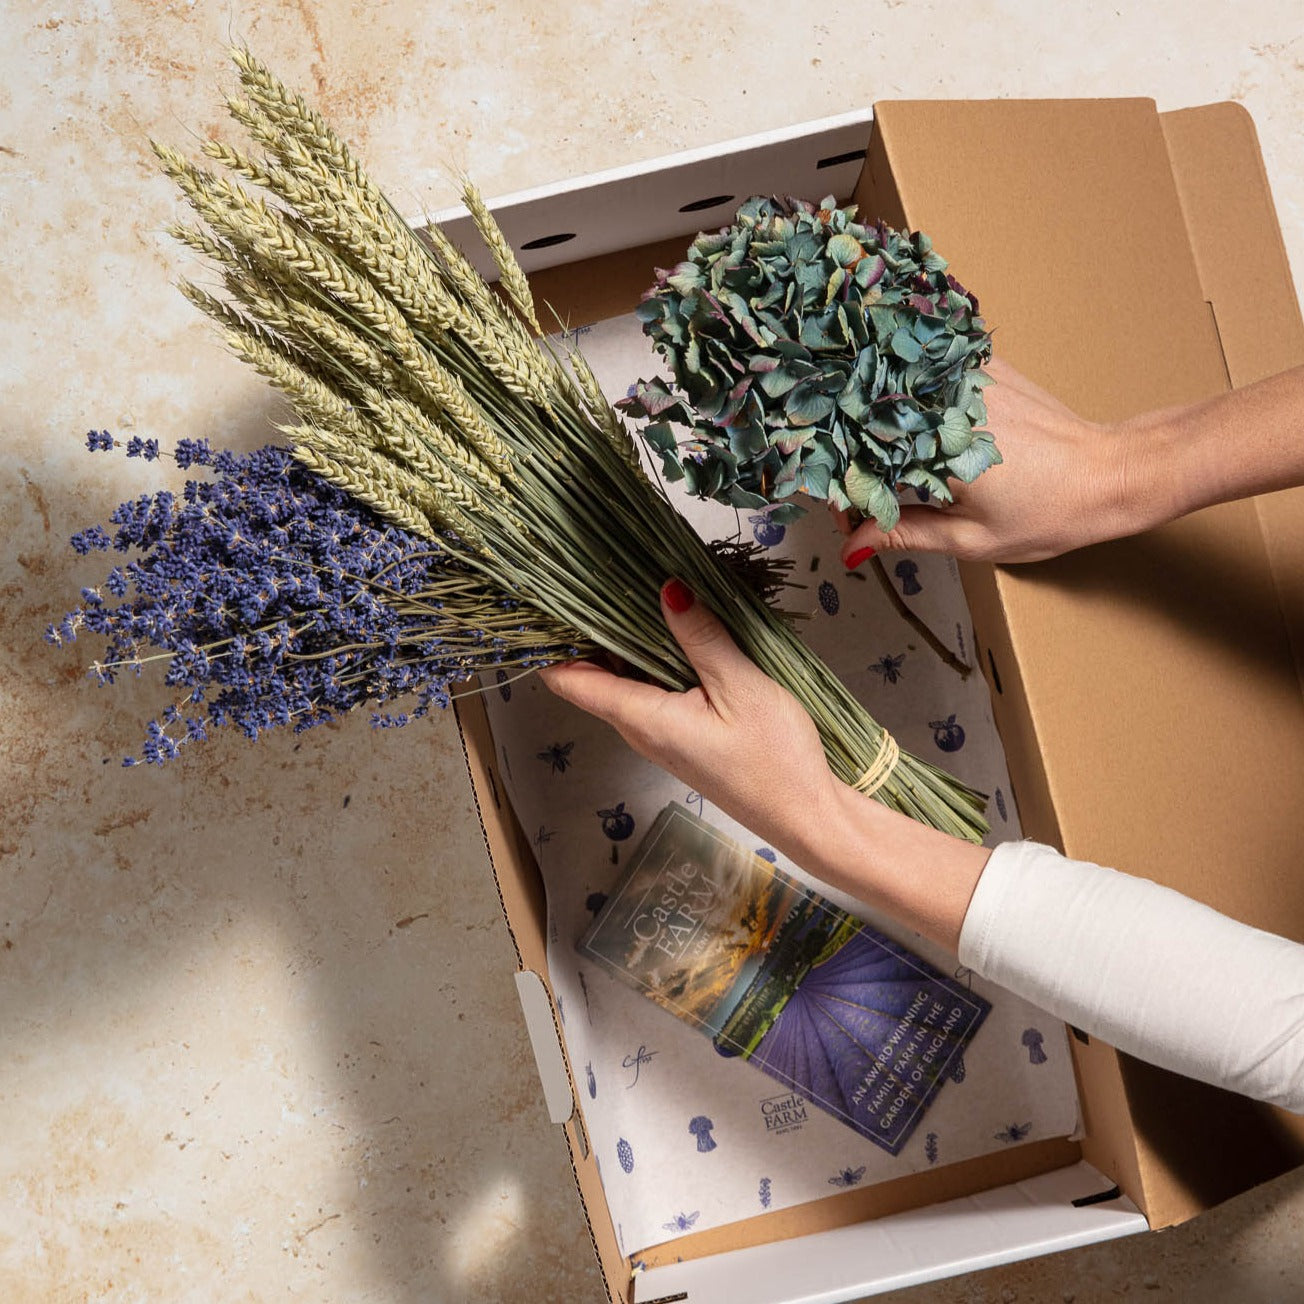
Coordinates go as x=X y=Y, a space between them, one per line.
x=272 y=598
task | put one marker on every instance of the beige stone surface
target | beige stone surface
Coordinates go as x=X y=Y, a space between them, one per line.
x=258 y=1035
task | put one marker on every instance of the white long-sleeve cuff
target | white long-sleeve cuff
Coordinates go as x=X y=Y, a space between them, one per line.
x=1144 y=968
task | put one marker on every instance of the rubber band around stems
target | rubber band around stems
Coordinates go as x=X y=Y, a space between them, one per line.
x=881 y=767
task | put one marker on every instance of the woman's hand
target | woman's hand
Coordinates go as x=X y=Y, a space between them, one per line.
x=1063 y=483
x=739 y=739
x=748 y=747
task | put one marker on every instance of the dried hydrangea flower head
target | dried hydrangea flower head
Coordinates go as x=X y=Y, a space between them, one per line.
x=819 y=355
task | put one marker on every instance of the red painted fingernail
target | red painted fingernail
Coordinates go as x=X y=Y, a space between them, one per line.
x=678 y=596
x=859 y=556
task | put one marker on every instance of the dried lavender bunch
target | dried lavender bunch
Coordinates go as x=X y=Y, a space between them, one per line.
x=815 y=354
x=425 y=395
x=271 y=598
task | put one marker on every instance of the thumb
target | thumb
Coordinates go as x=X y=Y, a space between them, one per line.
x=920 y=529
x=704 y=639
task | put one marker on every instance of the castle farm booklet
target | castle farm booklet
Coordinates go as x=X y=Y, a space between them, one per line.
x=778 y=976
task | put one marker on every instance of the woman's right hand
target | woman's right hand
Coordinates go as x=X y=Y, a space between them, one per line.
x=1063 y=482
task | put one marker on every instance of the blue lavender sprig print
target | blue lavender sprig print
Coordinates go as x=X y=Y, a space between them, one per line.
x=1000 y=804
x=270 y=598
x=828 y=597
x=763 y=1193
x=930 y=1147
x=590 y=1081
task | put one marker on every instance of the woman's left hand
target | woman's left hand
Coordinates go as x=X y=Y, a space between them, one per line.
x=740 y=739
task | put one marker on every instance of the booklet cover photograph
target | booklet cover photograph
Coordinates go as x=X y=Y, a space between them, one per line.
x=780 y=977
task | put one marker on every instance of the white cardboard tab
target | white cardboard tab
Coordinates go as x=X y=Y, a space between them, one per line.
x=1019 y=1221
x=537 y=1009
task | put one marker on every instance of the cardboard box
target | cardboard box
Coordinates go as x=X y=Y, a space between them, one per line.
x=1148 y=692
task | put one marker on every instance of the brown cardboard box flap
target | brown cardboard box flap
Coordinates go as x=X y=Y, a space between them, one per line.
x=1156 y=722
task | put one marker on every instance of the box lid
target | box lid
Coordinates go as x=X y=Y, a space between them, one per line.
x=1149 y=689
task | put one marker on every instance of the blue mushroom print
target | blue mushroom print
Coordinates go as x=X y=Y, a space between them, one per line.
x=625 y=1153
x=558 y=756
x=906 y=571
x=848 y=1177
x=592 y=1081
x=889 y=667
x=1032 y=1039
x=768 y=853
x=595 y=901
x=948 y=735
x=504 y=687
x=1000 y=804
x=829 y=599
x=930 y=1147
x=763 y=1193
x=617 y=823
x=765 y=531
x=682 y=1222
x=701 y=1127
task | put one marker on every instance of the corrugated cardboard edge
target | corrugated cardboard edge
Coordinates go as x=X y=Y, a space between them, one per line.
x=1235 y=237
x=1146 y=1128
x=507 y=846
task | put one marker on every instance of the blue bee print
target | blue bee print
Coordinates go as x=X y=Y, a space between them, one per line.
x=504 y=687
x=625 y=1153
x=1033 y=1039
x=617 y=823
x=682 y=1222
x=848 y=1177
x=948 y=735
x=765 y=531
x=906 y=571
x=889 y=667
x=1000 y=804
x=829 y=599
x=701 y=1127
x=1015 y=1132
x=957 y=1069
x=763 y=1193
x=558 y=756
x=768 y=853
x=544 y=835
x=591 y=1081
x=930 y=1147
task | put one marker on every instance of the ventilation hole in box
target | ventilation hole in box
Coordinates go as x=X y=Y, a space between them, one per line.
x=547 y=241
x=714 y=201
x=996 y=674
x=834 y=160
